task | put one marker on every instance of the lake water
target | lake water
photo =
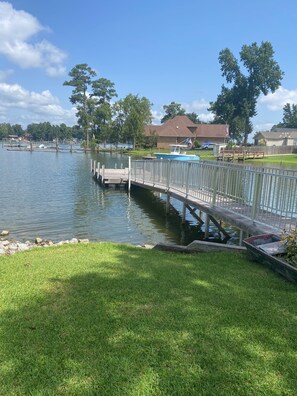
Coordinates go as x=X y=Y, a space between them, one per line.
x=53 y=196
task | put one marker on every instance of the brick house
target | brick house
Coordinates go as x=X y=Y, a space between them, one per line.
x=180 y=129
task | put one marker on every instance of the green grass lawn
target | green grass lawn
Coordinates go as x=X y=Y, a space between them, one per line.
x=278 y=160
x=106 y=319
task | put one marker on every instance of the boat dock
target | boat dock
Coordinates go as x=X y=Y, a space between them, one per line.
x=254 y=199
x=239 y=155
x=106 y=177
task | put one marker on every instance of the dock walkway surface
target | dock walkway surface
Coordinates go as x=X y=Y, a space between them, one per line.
x=254 y=199
x=108 y=176
x=239 y=155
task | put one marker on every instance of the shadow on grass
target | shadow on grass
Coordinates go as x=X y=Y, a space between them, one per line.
x=154 y=324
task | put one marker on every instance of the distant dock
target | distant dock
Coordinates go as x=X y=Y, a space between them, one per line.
x=239 y=155
x=116 y=177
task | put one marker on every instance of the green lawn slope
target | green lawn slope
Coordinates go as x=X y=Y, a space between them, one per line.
x=108 y=319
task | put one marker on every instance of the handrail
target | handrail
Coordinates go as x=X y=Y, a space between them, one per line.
x=264 y=195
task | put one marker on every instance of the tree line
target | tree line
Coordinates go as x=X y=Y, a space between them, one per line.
x=103 y=118
x=44 y=131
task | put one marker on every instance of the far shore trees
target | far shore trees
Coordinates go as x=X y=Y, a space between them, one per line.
x=42 y=131
x=236 y=104
x=116 y=122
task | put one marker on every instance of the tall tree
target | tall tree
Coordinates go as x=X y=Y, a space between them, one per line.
x=172 y=110
x=81 y=79
x=236 y=104
x=133 y=113
x=289 y=116
x=102 y=94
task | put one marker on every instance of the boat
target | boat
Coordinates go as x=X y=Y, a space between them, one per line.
x=269 y=250
x=178 y=153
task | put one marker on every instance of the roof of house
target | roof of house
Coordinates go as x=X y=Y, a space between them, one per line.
x=284 y=130
x=175 y=127
x=182 y=126
x=279 y=135
x=212 y=130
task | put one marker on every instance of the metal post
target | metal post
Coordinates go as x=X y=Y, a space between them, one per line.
x=184 y=213
x=168 y=174
x=98 y=170
x=206 y=234
x=187 y=180
x=167 y=202
x=129 y=173
x=143 y=166
x=103 y=176
x=215 y=186
x=257 y=195
x=240 y=237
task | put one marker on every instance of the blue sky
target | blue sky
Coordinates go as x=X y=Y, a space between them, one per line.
x=165 y=50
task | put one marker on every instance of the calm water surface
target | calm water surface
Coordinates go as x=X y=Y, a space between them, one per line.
x=53 y=196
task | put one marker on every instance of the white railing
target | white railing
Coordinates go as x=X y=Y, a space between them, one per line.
x=263 y=195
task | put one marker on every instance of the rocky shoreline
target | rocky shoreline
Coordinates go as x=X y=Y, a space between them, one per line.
x=8 y=247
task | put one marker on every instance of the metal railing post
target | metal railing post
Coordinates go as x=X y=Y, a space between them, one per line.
x=129 y=173
x=143 y=166
x=168 y=174
x=215 y=186
x=257 y=195
x=187 y=179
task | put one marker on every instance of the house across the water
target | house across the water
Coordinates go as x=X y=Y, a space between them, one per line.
x=278 y=137
x=181 y=129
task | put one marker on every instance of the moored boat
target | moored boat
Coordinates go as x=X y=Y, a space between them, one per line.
x=178 y=153
x=268 y=249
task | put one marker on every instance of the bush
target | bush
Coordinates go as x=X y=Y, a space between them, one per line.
x=196 y=144
x=289 y=239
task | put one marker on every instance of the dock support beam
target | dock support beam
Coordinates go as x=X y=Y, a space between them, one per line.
x=206 y=233
x=129 y=173
x=240 y=237
x=184 y=213
x=167 y=203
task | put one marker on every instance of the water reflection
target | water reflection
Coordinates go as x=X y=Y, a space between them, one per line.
x=53 y=195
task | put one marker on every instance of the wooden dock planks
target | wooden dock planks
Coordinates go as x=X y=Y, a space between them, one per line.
x=239 y=155
x=116 y=177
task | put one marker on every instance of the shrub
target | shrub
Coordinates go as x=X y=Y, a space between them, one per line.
x=289 y=239
x=197 y=144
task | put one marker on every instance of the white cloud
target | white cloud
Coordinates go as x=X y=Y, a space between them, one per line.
x=262 y=127
x=205 y=117
x=157 y=116
x=16 y=29
x=37 y=107
x=196 y=106
x=200 y=107
x=276 y=101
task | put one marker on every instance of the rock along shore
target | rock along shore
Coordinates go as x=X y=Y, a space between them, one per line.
x=8 y=247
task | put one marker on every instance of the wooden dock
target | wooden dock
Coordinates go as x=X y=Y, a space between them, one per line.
x=106 y=177
x=239 y=155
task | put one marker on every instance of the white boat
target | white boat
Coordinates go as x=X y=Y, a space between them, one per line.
x=178 y=153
